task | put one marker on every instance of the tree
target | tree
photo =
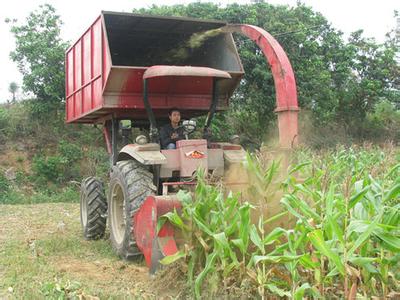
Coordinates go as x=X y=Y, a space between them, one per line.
x=39 y=55
x=13 y=88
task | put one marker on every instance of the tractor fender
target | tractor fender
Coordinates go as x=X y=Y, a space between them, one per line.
x=148 y=154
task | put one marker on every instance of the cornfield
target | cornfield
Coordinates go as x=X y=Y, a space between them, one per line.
x=341 y=210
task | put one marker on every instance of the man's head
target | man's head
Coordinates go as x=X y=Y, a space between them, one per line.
x=175 y=116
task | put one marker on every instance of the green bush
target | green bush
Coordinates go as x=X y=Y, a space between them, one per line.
x=383 y=122
x=58 y=168
x=4 y=117
x=69 y=151
x=4 y=186
x=51 y=168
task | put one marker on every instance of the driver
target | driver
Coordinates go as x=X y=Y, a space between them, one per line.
x=172 y=132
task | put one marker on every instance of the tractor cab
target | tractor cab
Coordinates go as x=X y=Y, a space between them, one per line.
x=190 y=154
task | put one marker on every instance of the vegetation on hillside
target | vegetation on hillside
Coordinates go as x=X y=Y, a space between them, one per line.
x=45 y=161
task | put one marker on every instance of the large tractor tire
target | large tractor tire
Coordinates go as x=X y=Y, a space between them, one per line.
x=130 y=184
x=93 y=208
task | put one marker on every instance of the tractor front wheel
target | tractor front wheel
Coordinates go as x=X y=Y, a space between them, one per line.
x=93 y=208
x=130 y=184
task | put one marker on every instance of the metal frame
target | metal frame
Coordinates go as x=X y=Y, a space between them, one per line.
x=110 y=131
x=154 y=135
x=211 y=112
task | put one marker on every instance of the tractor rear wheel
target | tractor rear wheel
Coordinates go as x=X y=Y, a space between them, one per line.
x=130 y=184
x=93 y=208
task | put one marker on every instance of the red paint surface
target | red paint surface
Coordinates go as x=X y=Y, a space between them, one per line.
x=145 y=226
x=285 y=83
x=87 y=66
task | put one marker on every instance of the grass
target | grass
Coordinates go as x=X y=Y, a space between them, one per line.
x=16 y=196
x=43 y=254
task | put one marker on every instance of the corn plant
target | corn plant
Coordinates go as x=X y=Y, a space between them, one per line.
x=345 y=241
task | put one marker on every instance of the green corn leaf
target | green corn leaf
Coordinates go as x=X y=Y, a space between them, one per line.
x=359 y=186
x=357 y=197
x=184 y=196
x=390 y=242
x=174 y=218
x=362 y=261
x=274 y=235
x=276 y=259
x=200 y=278
x=317 y=239
x=223 y=243
x=239 y=243
x=303 y=207
x=393 y=193
x=299 y=293
x=244 y=212
x=255 y=238
x=270 y=173
x=290 y=208
x=306 y=262
x=392 y=170
x=278 y=291
x=334 y=272
x=201 y=225
x=299 y=166
x=365 y=235
x=221 y=240
x=329 y=201
x=172 y=258
x=358 y=226
x=392 y=217
x=276 y=217
x=300 y=240
x=337 y=230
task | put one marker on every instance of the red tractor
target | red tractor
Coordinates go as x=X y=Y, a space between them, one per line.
x=120 y=69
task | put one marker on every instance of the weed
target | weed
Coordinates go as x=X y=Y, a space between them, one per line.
x=60 y=289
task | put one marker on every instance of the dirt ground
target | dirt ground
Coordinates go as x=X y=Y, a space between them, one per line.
x=42 y=243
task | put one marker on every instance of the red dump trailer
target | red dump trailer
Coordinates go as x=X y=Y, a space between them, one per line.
x=104 y=68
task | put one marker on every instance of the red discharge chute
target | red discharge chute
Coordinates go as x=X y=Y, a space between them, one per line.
x=285 y=84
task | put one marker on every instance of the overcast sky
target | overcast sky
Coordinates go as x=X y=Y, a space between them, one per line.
x=375 y=17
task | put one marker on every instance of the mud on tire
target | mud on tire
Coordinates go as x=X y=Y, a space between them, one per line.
x=130 y=184
x=93 y=209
